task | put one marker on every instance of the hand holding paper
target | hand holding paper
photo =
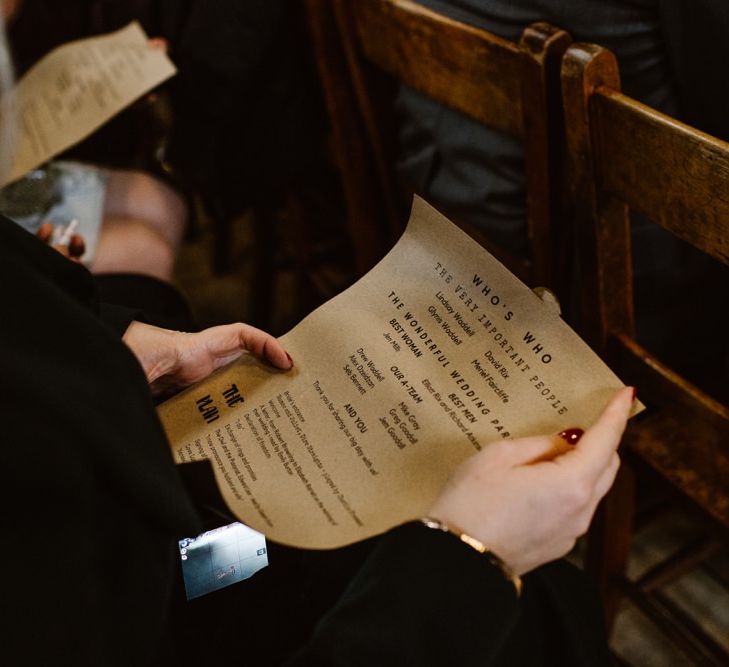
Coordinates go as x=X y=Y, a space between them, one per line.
x=493 y=495
x=77 y=88
x=174 y=359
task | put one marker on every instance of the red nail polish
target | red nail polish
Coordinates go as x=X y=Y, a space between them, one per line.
x=288 y=356
x=571 y=435
x=635 y=392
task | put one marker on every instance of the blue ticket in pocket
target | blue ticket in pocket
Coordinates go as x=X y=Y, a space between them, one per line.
x=221 y=557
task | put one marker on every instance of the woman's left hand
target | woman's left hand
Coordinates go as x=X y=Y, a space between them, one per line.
x=173 y=360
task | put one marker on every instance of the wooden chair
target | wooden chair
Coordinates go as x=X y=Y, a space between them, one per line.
x=366 y=48
x=625 y=155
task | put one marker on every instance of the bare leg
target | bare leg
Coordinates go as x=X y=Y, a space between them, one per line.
x=144 y=221
x=127 y=245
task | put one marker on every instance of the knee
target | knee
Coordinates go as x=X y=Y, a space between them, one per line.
x=139 y=196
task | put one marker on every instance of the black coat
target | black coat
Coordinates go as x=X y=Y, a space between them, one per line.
x=94 y=504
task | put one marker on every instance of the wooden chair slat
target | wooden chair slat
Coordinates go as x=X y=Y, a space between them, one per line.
x=666 y=387
x=452 y=63
x=670 y=172
x=511 y=88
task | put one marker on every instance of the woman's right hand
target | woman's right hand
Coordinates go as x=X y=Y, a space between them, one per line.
x=531 y=511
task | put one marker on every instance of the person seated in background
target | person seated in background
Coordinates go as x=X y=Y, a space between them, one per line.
x=662 y=48
x=477 y=173
x=131 y=221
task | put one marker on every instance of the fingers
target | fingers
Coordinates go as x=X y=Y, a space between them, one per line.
x=538 y=449
x=264 y=345
x=593 y=454
x=159 y=43
x=600 y=442
x=73 y=248
x=63 y=249
x=558 y=445
x=526 y=451
x=225 y=343
x=76 y=247
x=45 y=231
x=594 y=462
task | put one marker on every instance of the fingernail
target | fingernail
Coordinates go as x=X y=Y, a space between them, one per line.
x=635 y=392
x=288 y=356
x=571 y=435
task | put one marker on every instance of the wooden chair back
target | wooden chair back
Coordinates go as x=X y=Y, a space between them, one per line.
x=624 y=155
x=367 y=48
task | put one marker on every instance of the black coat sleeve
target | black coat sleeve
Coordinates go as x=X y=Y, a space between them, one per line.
x=118 y=318
x=422 y=598
x=93 y=500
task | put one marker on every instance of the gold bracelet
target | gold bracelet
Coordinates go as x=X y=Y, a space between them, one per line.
x=479 y=546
